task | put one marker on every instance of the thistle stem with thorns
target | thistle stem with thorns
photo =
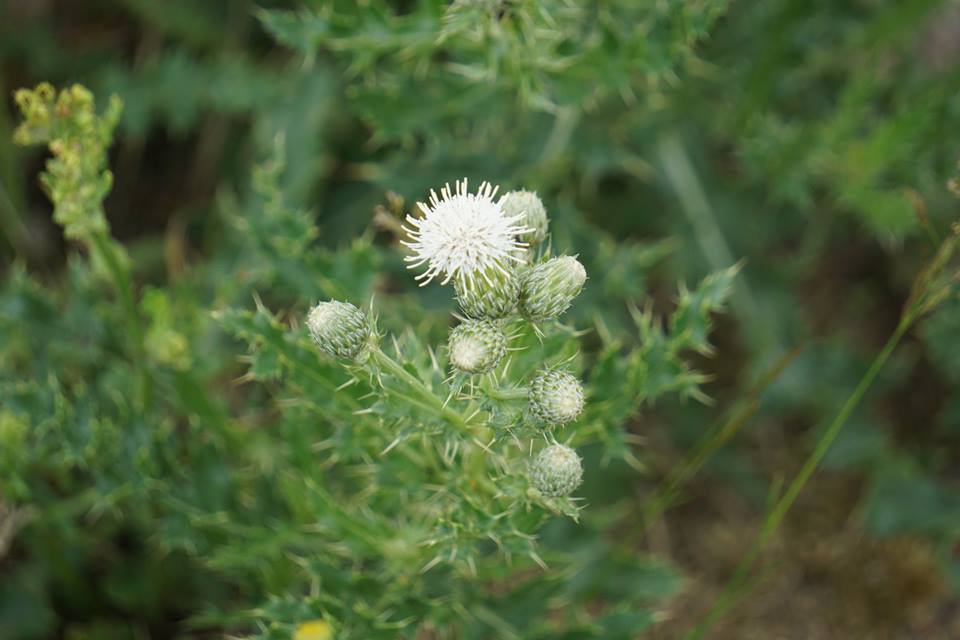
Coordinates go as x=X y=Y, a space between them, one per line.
x=423 y=392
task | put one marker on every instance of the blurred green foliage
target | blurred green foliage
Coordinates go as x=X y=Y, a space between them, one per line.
x=814 y=139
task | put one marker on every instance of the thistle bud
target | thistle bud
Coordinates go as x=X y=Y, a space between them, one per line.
x=341 y=330
x=529 y=205
x=547 y=289
x=555 y=398
x=477 y=346
x=556 y=471
x=492 y=295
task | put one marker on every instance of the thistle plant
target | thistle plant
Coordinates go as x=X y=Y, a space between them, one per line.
x=500 y=422
x=476 y=241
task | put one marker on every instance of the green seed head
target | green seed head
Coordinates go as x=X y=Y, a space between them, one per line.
x=528 y=204
x=556 y=398
x=341 y=330
x=556 y=471
x=491 y=295
x=547 y=289
x=477 y=346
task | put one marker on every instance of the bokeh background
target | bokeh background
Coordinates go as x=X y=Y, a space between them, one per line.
x=811 y=138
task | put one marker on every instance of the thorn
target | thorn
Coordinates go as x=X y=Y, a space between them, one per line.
x=536 y=558
x=390 y=446
x=431 y=564
x=348 y=383
x=258 y=302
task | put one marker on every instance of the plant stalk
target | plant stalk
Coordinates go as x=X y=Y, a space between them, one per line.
x=106 y=249
x=426 y=395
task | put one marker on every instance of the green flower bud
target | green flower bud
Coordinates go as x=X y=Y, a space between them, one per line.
x=477 y=346
x=341 y=330
x=547 y=289
x=493 y=294
x=555 y=398
x=556 y=471
x=529 y=205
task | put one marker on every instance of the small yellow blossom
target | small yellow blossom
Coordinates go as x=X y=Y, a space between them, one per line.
x=314 y=630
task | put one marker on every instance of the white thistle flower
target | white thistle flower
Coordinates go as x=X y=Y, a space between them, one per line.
x=463 y=235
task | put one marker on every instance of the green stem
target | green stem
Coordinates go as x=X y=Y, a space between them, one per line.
x=427 y=396
x=773 y=521
x=107 y=250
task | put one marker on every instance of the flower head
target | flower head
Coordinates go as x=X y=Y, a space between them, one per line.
x=556 y=397
x=529 y=205
x=463 y=235
x=341 y=330
x=548 y=289
x=477 y=346
x=556 y=471
x=494 y=295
